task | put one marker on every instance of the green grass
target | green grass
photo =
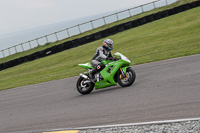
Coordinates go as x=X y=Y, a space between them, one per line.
x=39 y=48
x=171 y=37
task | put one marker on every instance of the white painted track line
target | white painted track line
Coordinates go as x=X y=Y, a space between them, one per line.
x=131 y=124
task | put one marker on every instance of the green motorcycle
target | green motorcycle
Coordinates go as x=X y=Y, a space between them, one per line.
x=117 y=71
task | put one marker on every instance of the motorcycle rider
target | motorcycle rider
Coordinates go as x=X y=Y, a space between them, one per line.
x=102 y=53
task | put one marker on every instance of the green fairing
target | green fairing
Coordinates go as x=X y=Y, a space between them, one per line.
x=125 y=68
x=106 y=61
x=109 y=76
x=86 y=65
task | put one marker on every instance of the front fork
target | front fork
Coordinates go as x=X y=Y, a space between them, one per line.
x=123 y=74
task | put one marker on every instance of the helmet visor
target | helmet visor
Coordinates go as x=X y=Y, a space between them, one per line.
x=110 y=46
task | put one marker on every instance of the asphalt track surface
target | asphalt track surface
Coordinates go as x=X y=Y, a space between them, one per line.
x=163 y=90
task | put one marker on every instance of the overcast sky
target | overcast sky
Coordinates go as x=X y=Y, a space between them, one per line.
x=18 y=15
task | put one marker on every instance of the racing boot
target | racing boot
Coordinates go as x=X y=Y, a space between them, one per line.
x=91 y=75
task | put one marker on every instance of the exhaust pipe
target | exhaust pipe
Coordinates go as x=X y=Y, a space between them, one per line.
x=84 y=76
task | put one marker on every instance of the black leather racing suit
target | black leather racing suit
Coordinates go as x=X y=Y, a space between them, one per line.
x=102 y=53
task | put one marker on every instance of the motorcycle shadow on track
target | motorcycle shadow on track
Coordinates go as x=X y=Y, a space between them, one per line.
x=111 y=89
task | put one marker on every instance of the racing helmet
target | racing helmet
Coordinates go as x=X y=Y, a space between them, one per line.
x=108 y=43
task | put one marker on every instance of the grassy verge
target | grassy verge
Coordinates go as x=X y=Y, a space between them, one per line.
x=170 y=37
x=39 y=48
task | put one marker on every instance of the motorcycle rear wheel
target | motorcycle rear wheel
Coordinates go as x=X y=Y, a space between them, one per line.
x=128 y=80
x=84 y=88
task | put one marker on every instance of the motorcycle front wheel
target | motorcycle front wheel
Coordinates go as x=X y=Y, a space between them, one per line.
x=128 y=80
x=84 y=86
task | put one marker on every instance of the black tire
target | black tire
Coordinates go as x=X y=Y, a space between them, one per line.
x=88 y=87
x=129 y=81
